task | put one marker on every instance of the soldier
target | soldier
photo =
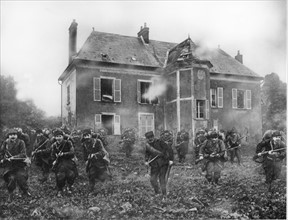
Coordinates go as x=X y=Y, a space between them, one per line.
x=159 y=156
x=233 y=142
x=24 y=137
x=273 y=152
x=97 y=159
x=198 y=141
x=13 y=159
x=212 y=151
x=182 y=142
x=128 y=139
x=42 y=154
x=102 y=135
x=64 y=167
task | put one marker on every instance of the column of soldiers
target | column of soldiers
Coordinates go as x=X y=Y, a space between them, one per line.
x=54 y=151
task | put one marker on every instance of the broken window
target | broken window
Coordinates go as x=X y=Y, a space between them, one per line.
x=107 y=89
x=241 y=99
x=143 y=96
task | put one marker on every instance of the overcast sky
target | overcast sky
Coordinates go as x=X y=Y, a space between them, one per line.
x=34 y=35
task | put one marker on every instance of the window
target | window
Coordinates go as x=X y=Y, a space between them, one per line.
x=142 y=89
x=200 y=107
x=146 y=123
x=68 y=95
x=216 y=97
x=110 y=121
x=241 y=99
x=213 y=97
x=107 y=89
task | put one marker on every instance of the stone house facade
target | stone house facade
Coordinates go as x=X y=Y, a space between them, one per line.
x=117 y=81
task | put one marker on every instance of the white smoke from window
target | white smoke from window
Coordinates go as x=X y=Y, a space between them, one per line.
x=158 y=88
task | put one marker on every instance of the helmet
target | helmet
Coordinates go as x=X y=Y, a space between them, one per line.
x=12 y=131
x=58 y=132
x=166 y=136
x=276 y=133
x=212 y=134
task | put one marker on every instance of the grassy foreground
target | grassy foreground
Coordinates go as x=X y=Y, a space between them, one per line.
x=241 y=195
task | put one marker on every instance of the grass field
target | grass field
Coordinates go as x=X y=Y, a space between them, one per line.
x=242 y=194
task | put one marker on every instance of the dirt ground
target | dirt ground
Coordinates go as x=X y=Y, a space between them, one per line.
x=242 y=194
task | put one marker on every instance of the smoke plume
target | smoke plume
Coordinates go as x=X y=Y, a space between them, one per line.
x=158 y=88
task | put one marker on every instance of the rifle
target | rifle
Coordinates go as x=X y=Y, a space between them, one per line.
x=55 y=162
x=238 y=140
x=266 y=152
x=10 y=158
x=210 y=155
x=35 y=151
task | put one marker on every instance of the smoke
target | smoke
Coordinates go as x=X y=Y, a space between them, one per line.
x=158 y=88
x=203 y=51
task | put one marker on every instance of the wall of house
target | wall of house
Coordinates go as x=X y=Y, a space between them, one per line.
x=246 y=121
x=68 y=109
x=128 y=108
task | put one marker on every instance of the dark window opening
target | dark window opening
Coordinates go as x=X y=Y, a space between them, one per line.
x=108 y=122
x=240 y=98
x=200 y=108
x=213 y=98
x=107 y=90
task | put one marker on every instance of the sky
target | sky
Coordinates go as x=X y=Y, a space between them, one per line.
x=34 y=35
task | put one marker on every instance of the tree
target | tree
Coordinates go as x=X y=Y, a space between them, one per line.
x=274 y=103
x=16 y=113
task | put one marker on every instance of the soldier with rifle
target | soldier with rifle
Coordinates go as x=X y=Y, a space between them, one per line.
x=128 y=139
x=233 y=140
x=97 y=159
x=159 y=156
x=182 y=142
x=272 y=152
x=63 y=165
x=24 y=137
x=14 y=160
x=198 y=141
x=213 y=153
x=42 y=154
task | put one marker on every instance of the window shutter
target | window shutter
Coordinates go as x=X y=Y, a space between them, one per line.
x=248 y=99
x=220 y=97
x=211 y=93
x=97 y=89
x=138 y=92
x=98 y=121
x=117 y=130
x=234 y=98
x=142 y=125
x=117 y=90
x=207 y=109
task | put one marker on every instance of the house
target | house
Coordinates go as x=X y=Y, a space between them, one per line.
x=118 y=81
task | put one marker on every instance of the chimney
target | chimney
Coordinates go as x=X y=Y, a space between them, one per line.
x=144 y=32
x=239 y=57
x=72 y=40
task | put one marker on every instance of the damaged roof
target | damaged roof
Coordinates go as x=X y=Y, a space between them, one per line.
x=121 y=49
